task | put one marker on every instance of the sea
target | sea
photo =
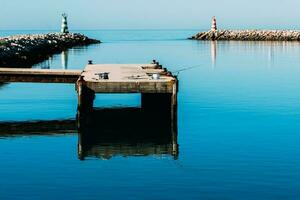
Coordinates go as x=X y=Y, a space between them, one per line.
x=237 y=134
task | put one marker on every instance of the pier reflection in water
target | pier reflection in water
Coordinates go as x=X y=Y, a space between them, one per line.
x=30 y=128
x=51 y=62
x=126 y=132
x=110 y=132
x=2 y=85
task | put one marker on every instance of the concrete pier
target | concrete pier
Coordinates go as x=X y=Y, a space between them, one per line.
x=148 y=130
x=157 y=85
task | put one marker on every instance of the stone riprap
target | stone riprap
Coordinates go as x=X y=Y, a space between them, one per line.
x=26 y=50
x=249 y=35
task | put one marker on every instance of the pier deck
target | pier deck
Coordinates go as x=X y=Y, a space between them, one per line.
x=128 y=78
x=10 y=75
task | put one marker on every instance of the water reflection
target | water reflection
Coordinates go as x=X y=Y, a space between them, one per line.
x=213 y=53
x=110 y=132
x=2 y=85
x=271 y=56
x=27 y=128
x=46 y=64
x=267 y=49
x=56 y=61
x=64 y=59
x=126 y=132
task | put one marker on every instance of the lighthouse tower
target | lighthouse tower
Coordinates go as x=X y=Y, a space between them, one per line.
x=214 y=24
x=64 y=23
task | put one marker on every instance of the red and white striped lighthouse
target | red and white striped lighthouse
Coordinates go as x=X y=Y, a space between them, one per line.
x=213 y=24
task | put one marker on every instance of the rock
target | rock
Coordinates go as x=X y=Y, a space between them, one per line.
x=249 y=35
x=26 y=50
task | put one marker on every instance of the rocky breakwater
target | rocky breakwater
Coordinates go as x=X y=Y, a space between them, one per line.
x=26 y=50
x=249 y=35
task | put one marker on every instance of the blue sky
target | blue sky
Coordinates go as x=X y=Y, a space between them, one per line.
x=152 y=14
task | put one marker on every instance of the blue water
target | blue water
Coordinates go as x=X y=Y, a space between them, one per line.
x=238 y=124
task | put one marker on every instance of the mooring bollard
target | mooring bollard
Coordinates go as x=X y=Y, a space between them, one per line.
x=64 y=24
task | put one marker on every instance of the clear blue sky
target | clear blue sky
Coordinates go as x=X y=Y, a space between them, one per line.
x=152 y=14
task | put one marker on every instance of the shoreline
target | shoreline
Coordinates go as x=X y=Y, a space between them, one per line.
x=249 y=35
x=27 y=50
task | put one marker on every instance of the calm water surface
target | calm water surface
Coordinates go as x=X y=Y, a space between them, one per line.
x=238 y=125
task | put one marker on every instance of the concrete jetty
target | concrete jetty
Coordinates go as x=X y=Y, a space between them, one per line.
x=26 y=50
x=150 y=129
x=158 y=87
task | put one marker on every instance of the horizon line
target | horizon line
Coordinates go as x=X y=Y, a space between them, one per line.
x=104 y=29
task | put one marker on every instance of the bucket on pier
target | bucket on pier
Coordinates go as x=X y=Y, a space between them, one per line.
x=103 y=75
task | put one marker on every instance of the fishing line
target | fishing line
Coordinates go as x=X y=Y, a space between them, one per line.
x=177 y=72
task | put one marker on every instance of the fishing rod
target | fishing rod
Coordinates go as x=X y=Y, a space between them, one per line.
x=181 y=69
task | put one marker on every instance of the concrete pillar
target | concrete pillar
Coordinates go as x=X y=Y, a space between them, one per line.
x=163 y=109
x=175 y=146
x=174 y=128
x=86 y=98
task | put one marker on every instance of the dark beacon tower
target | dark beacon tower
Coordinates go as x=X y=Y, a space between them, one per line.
x=64 y=23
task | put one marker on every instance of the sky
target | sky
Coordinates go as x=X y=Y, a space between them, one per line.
x=149 y=14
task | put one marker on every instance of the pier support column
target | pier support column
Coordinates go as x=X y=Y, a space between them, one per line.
x=86 y=98
x=161 y=109
x=159 y=103
x=174 y=106
x=161 y=106
x=174 y=128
